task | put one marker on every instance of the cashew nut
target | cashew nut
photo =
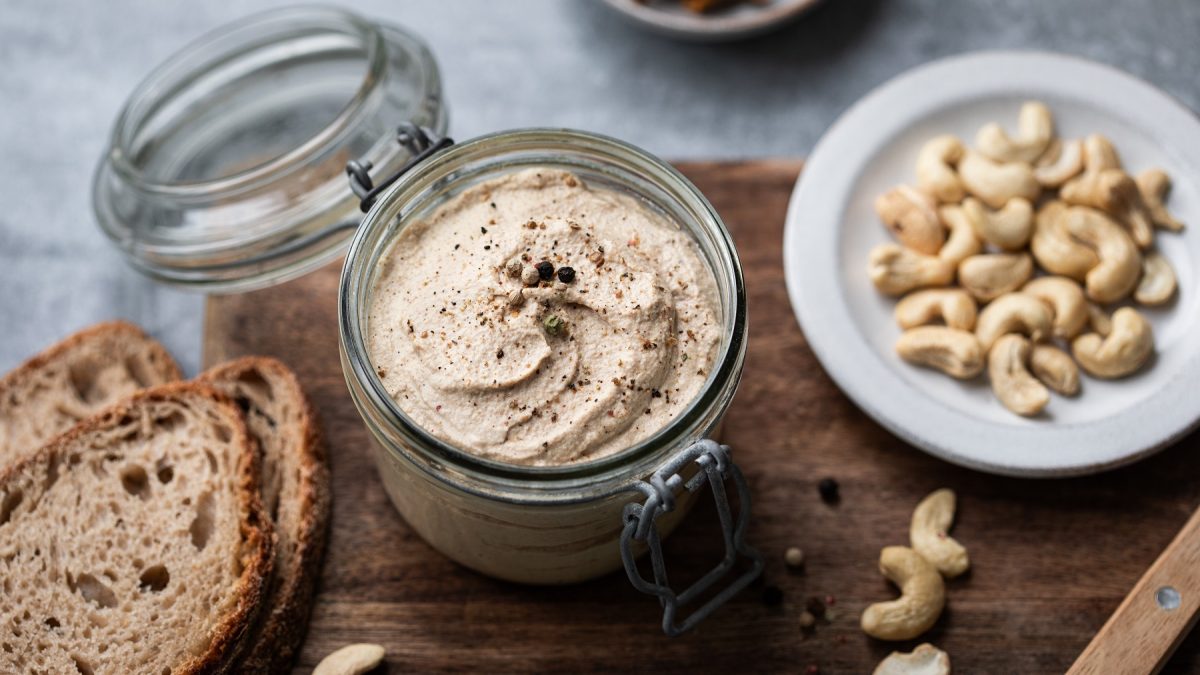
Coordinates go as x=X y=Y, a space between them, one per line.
x=1126 y=348
x=1154 y=184
x=1054 y=248
x=950 y=350
x=912 y=217
x=1120 y=262
x=351 y=660
x=1103 y=185
x=1065 y=297
x=928 y=534
x=954 y=306
x=924 y=660
x=1035 y=127
x=922 y=597
x=962 y=241
x=1055 y=369
x=1158 y=280
x=1008 y=228
x=996 y=183
x=1113 y=191
x=1099 y=320
x=1012 y=383
x=896 y=270
x=1062 y=161
x=1014 y=313
x=1099 y=154
x=989 y=275
x=935 y=168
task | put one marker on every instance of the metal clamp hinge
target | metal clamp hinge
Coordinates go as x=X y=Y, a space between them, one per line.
x=421 y=144
x=715 y=468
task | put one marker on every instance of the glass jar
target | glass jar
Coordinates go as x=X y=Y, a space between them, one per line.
x=227 y=171
x=541 y=525
x=226 y=167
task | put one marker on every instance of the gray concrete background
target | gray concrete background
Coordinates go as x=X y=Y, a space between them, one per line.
x=65 y=68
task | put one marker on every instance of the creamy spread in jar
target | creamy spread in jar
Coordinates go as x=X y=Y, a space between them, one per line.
x=482 y=350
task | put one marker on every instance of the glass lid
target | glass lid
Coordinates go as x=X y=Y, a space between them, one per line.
x=226 y=168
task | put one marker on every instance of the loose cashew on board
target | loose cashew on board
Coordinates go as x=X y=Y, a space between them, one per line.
x=924 y=660
x=351 y=660
x=1013 y=384
x=922 y=597
x=929 y=536
x=956 y=353
x=1126 y=348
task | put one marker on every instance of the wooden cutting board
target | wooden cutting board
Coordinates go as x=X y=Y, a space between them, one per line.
x=1051 y=559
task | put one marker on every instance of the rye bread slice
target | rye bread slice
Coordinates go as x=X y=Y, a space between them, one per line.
x=135 y=542
x=295 y=492
x=73 y=380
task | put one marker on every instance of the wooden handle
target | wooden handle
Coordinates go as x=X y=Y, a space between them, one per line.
x=1156 y=615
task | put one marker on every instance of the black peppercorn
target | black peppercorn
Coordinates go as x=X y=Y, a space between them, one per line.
x=772 y=596
x=828 y=488
x=545 y=270
x=566 y=274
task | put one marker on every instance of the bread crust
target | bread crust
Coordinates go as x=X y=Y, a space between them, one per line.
x=276 y=639
x=229 y=634
x=171 y=371
x=18 y=378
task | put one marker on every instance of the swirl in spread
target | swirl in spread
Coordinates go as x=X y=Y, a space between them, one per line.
x=480 y=352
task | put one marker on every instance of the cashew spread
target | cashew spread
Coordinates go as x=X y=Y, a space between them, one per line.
x=485 y=354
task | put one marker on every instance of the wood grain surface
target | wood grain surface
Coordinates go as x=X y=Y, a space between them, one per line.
x=1051 y=559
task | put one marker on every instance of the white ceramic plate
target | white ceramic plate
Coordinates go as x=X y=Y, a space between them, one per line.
x=831 y=227
x=742 y=20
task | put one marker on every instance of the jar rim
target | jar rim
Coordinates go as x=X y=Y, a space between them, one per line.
x=176 y=73
x=225 y=168
x=356 y=278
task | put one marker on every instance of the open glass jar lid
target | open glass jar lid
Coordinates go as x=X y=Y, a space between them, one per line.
x=226 y=167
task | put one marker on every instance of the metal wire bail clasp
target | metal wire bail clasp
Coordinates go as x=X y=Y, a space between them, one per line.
x=660 y=489
x=420 y=143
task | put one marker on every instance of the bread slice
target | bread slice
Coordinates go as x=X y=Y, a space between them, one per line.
x=75 y=379
x=295 y=492
x=135 y=542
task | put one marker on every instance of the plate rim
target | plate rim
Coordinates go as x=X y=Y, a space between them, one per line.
x=992 y=73
x=715 y=26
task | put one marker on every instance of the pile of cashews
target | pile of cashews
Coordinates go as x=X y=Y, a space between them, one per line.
x=918 y=571
x=984 y=216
